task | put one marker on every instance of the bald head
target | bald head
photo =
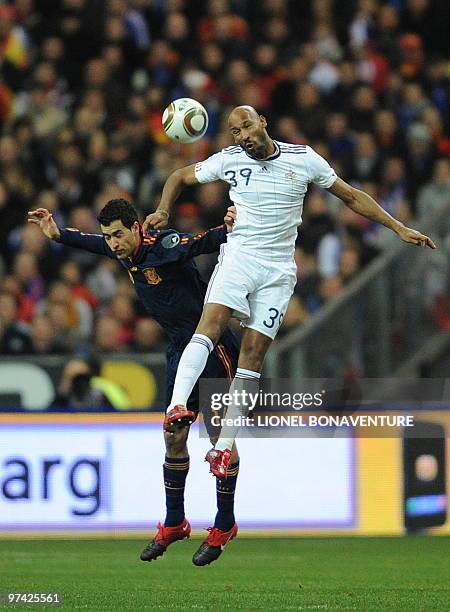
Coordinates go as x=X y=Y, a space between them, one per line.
x=242 y=112
x=248 y=129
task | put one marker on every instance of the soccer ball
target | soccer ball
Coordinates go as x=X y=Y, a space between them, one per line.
x=185 y=120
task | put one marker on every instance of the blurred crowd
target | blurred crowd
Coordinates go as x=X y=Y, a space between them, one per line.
x=83 y=84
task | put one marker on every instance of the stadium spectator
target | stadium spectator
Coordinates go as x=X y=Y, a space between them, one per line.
x=102 y=281
x=107 y=335
x=78 y=314
x=434 y=195
x=41 y=333
x=122 y=310
x=13 y=54
x=366 y=160
x=81 y=388
x=25 y=269
x=65 y=338
x=432 y=202
x=71 y=275
x=14 y=339
x=349 y=264
x=387 y=134
x=148 y=336
x=25 y=306
x=307 y=287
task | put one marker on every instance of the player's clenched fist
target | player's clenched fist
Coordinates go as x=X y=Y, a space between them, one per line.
x=44 y=218
x=230 y=217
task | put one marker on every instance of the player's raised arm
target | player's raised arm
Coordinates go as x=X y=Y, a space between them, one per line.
x=361 y=202
x=183 y=177
x=94 y=243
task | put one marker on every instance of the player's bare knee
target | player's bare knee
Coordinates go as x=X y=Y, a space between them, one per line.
x=176 y=441
x=213 y=321
x=210 y=328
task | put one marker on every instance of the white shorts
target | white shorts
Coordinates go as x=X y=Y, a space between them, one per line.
x=258 y=290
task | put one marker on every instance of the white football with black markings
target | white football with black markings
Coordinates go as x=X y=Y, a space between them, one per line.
x=185 y=120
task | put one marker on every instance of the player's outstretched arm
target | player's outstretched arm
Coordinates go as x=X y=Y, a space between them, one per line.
x=174 y=185
x=94 y=243
x=363 y=204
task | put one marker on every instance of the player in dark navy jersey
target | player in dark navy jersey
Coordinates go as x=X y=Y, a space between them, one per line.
x=169 y=285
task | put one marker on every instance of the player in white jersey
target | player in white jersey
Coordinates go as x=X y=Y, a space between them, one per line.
x=268 y=194
x=255 y=274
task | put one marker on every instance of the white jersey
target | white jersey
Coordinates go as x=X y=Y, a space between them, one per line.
x=268 y=194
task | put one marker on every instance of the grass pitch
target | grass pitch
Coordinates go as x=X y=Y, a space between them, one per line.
x=253 y=574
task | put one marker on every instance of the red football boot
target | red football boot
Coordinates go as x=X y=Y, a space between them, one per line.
x=165 y=537
x=218 y=461
x=178 y=416
x=212 y=547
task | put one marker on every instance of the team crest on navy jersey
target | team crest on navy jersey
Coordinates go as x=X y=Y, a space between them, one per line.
x=152 y=276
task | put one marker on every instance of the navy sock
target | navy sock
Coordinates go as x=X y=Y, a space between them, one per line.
x=175 y=472
x=225 y=488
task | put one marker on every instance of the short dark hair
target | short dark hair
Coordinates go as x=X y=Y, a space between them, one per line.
x=118 y=209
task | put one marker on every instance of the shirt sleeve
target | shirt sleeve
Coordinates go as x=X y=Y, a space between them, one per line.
x=320 y=171
x=94 y=243
x=210 y=169
x=181 y=247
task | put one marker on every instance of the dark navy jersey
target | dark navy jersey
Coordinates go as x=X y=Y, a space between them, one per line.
x=165 y=278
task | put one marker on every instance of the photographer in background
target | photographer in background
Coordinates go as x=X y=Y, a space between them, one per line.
x=82 y=389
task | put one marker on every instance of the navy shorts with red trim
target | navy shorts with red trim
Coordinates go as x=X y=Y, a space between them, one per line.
x=222 y=363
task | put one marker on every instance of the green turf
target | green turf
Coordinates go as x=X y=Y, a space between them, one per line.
x=253 y=574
